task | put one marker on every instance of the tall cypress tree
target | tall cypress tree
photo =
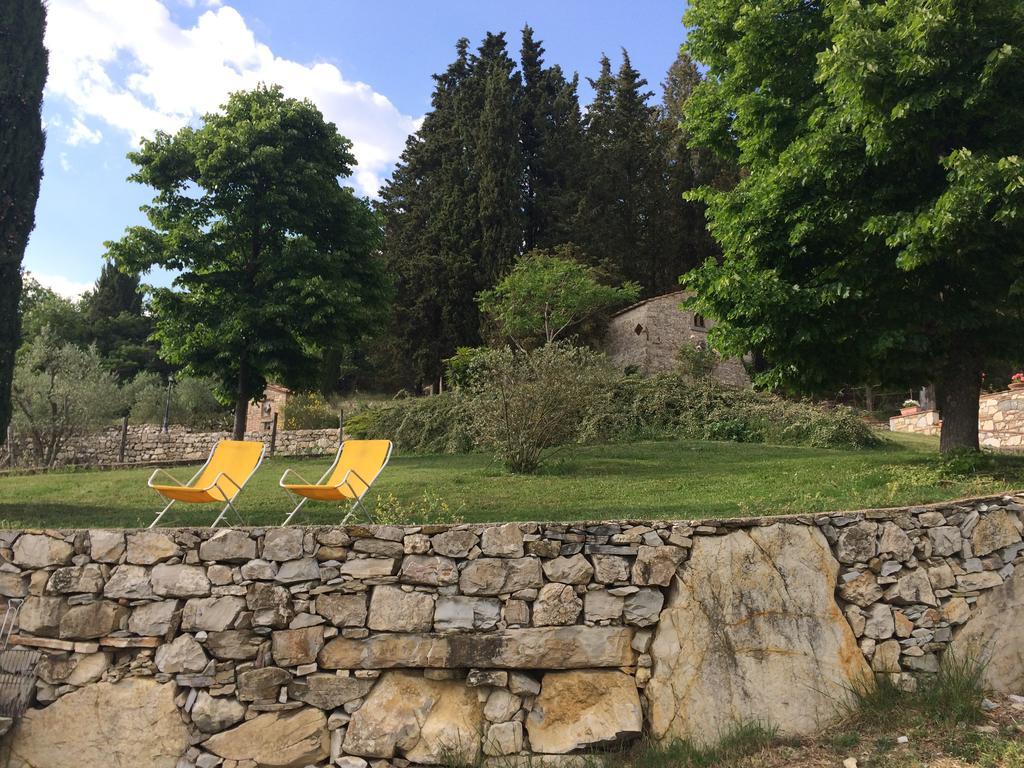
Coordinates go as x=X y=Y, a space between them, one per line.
x=495 y=89
x=23 y=69
x=116 y=323
x=428 y=212
x=684 y=241
x=551 y=137
x=618 y=221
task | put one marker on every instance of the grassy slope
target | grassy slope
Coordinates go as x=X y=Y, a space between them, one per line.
x=644 y=480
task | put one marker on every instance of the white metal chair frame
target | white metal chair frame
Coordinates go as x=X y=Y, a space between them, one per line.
x=357 y=498
x=214 y=484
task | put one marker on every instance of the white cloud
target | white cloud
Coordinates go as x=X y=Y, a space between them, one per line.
x=80 y=132
x=65 y=163
x=127 y=63
x=60 y=284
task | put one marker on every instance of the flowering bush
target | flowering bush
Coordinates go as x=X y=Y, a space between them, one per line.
x=1017 y=378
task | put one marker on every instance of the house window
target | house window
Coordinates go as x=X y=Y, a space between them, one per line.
x=698 y=320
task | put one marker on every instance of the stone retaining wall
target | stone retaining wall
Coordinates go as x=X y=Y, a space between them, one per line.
x=1001 y=420
x=147 y=444
x=389 y=646
x=921 y=423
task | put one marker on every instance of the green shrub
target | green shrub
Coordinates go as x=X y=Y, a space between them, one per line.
x=671 y=406
x=526 y=404
x=308 y=410
x=739 y=741
x=429 y=509
x=437 y=424
x=507 y=400
x=193 y=403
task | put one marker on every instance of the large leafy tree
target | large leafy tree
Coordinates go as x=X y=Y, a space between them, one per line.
x=549 y=295
x=275 y=259
x=23 y=69
x=877 y=229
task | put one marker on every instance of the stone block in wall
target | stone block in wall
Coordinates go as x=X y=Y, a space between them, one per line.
x=419 y=719
x=583 y=709
x=757 y=609
x=575 y=647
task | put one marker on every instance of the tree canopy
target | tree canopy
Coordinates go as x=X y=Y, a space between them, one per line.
x=506 y=162
x=547 y=295
x=877 y=227
x=275 y=259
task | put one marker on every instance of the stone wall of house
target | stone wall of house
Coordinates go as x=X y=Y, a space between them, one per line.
x=147 y=444
x=921 y=423
x=647 y=337
x=1001 y=420
x=398 y=646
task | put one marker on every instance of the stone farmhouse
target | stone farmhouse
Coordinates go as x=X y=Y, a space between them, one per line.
x=647 y=336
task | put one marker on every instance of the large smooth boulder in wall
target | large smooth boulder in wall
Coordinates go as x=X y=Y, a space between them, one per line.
x=104 y=725
x=276 y=739
x=583 y=708
x=751 y=631
x=422 y=720
x=994 y=635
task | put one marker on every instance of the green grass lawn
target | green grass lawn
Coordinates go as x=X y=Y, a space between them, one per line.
x=669 y=480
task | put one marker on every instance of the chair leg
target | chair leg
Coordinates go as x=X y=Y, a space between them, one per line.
x=224 y=512
x=358 y=505
x=291 y=514
x=161 y=513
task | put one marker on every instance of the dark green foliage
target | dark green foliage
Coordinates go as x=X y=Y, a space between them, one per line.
x=417 y=424
x=551 y=137
x=671 y=407
x=308 y=410
x=193 y=403
x=117 y=325
x=951 y=697
x=627 y=409
x=875 y=234
x=506 y=163
x=23 y=69
x=275 y=259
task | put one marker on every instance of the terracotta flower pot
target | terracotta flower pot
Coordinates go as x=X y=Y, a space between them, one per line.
x=910 y=411
x=1015 y=385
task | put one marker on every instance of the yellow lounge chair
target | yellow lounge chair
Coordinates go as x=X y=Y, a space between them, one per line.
x=220 y=479
x=348 y=479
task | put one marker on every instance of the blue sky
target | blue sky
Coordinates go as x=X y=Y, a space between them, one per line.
x=121 y=69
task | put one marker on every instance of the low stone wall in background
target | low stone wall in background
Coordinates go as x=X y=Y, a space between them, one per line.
x=146 y=444
x=1001 y=420
x=921 y=423
x=391 y=646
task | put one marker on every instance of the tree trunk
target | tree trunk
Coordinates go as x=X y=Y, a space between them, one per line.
x=957 y=392
x=242 y=396
x=21 y=93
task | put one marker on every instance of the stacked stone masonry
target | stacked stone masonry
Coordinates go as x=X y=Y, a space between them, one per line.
x=147 y=444
x=392 y=647
x=1000 y=421
x=920 y=423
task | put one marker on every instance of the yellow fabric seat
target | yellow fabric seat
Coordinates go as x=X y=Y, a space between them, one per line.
x=355 y=468
x=219 y=480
